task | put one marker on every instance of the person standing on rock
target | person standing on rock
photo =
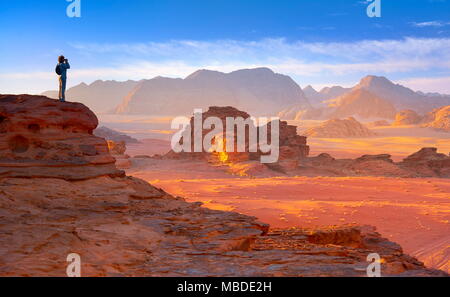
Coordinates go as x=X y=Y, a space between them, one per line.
x=61 y=70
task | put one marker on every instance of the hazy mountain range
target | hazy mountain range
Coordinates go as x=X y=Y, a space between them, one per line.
x=373 y=97
x=100 y=96
x=258 y=91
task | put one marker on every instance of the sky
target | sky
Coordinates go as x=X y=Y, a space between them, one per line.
x=316 y=42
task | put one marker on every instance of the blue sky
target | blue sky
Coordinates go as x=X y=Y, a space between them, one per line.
x=318 y=42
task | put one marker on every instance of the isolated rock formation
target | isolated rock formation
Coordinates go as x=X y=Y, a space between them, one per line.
x=407 y=117
x=428 y=162
x=123 y=226
x=340 y=129
x=293 y=147
x=438 y=119
x=110 y=134
x=41 y=137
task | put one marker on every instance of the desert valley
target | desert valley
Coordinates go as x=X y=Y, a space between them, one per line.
x=376 y=154
x=352 y=161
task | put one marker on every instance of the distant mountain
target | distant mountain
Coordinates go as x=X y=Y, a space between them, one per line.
x=333 y=92
x=401 y=97
x=317 y=99
x=110 y=134
x=373 y=97
x=258 y=91
x=100 y=96
x=360 y=103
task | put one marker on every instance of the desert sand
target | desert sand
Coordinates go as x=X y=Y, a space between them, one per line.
x=413 y=212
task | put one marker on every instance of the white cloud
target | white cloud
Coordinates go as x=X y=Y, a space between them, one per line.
x=305 y=62
x=430 y=24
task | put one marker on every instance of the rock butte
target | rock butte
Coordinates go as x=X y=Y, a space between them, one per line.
x=123 y=226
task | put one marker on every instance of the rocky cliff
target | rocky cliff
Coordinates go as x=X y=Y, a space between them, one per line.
x=45 y=138
x=123 y=226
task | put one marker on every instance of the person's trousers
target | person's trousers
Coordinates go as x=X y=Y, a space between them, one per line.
x=62 y=88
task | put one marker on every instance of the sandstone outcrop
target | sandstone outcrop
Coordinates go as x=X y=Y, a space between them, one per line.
x=407 y=117
x=117 y=150
x=338 y=128
x=427 y=162
x=438 y=119
x=41 y=137
x=123 y=226
x=293 y=147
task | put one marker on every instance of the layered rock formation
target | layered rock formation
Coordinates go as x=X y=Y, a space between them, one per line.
x=428 y=162
x=340 y=129
x=293 y=147
x=41 y=137
x=407 y=117
x=123 y=226
x=425 y=163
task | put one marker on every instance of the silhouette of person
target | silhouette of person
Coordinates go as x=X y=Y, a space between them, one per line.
x=63 y=65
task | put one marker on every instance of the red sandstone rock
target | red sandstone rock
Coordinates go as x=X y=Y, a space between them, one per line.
x=118 y=149
x=123 y=226
x=427 y=162
x=293 y=147
x=41 y=137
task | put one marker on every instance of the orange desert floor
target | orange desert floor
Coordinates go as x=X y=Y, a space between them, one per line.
x=412 y=212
